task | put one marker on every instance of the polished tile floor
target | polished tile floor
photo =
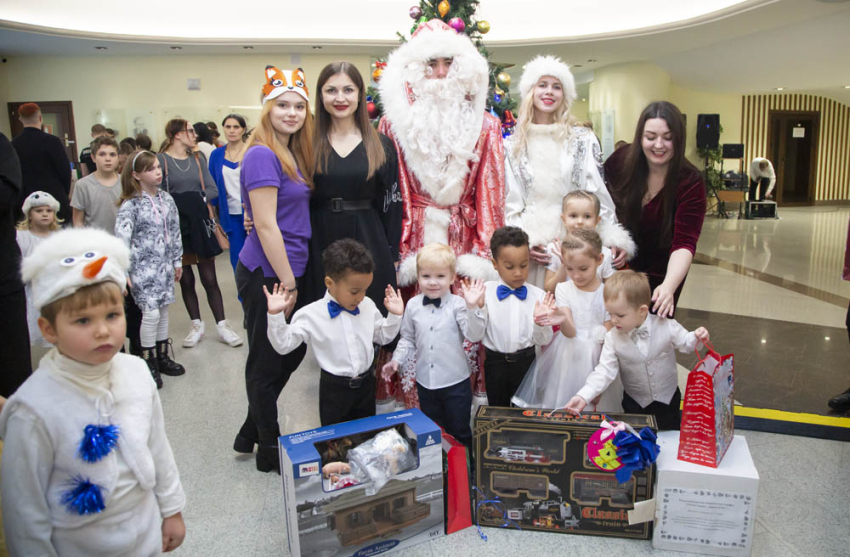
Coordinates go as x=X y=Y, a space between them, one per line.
x=234 y=510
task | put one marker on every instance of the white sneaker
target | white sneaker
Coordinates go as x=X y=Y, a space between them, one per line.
x=196 y=333
x=227 y=335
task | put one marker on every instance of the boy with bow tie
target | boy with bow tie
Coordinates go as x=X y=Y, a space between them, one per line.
x=640 y=349
x=506 y=316
x=341 y=328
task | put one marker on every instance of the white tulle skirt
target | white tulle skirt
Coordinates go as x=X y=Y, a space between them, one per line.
x=560 y=371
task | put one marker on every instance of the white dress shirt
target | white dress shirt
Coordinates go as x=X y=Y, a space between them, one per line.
x=434 y=336
x=757 y=174
x=603 y=271
x=342 y=345
x=508 y=326
x=644 y=359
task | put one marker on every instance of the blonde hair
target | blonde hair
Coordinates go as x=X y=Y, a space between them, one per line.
x=436 y=255
x=633 y=285
x=582 y=195
x=295 y=157
x=139 y=161
x=91 y=295
x=582 y=239
x=563 y=119
x=26 y=223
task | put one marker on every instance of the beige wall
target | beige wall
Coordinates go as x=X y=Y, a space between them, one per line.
x=579 y=110
x=692 y=103
x=149 y=89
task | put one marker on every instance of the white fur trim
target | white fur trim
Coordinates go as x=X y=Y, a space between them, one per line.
x=39 y=199
x=394 y=96
x=614 y=235
x=548 y=65
x=436 y=226
x=473 y=266
x=54 y=274
x=407 y=271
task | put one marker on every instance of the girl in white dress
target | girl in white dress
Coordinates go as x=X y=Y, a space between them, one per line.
x=563 y=366
x=40 y=221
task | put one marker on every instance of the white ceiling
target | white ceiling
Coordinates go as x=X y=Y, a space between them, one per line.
x=751 y=47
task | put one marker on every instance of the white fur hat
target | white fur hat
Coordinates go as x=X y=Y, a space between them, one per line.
x=548 y=65
x=40 y=199
x=71 y=259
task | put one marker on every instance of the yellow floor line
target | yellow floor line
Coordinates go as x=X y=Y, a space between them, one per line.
x=798 y=417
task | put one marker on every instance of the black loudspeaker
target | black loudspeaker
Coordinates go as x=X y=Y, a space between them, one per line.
x=733 y=150
x=708 y=131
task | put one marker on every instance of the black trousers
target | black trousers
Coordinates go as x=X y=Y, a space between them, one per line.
x=668 y=416
x=15 y=347
x=266 y=371
x=449 y=407
x=503 y=374
x=133 y=315
x=339 y=401
x=761 y=186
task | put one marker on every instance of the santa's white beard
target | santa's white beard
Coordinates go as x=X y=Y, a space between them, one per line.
x=442 y=133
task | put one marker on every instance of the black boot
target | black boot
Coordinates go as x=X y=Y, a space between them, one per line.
x=167 y=366
x=841 y=402
x=150 y=359
x=268 y=458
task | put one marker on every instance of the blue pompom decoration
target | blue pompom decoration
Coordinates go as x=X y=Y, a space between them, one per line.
x=84 y=498
x=636 y=453
x=98 y=441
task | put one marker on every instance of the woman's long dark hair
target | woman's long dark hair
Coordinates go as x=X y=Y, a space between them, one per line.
x=371 y=140
x=632 y=184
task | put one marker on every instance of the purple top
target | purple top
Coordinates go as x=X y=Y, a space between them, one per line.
x=260 y=168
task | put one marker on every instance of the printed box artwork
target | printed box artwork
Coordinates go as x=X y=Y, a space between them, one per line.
x=706 y=510
x=535 y=472
x=363 y=487
x=708 y=412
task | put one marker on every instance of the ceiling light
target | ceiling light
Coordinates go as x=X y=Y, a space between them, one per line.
x=248 y=47
x=584 y=99
x=847 y=86
x=825 y=338
x=780 y=88
x=591 y=60
x=576 y=66
x=176 y=48
x=317 y=48
x=764 y=341
x=100 y=48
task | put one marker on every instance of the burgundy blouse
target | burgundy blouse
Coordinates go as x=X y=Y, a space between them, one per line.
x=652 y=258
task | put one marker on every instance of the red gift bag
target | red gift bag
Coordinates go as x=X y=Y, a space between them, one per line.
x=708 y=413
x=457 y=502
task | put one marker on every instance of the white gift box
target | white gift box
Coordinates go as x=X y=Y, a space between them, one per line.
x=705 y=510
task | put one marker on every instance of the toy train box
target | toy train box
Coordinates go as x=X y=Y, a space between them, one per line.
x=363 y=487
x=533 y=473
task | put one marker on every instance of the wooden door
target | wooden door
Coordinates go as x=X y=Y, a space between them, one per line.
x=793 y=141
x=58 y=120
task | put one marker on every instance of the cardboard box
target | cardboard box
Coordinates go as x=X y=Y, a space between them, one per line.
x=705 y=510
x=535 y=469
x=325 y=519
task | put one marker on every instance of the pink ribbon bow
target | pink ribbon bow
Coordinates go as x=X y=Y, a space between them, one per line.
x=611 y=429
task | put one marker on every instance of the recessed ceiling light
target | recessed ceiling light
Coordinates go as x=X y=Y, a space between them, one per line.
x=100 y=48
x=248 y=47
x=780 y=88
x=584 y=99
x=576 y=66
x=764 y=341
x=591 y=60
x=317 y=48
x=847 y=86
x=825 y=338
x=176 y=48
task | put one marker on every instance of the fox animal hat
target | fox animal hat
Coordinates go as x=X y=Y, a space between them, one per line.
x=71 y=259
x=279 y=82
x=40 y=199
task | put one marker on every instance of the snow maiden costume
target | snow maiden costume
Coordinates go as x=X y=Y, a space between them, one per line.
x=536 y=185
x=88 y=467
x=450 y=167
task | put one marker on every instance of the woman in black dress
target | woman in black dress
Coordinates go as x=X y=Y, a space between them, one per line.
x=356 y=192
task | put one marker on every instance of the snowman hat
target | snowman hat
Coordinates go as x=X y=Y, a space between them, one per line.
x=552 y=66
x=279 y=82
x=71 y=259
x=40 y=199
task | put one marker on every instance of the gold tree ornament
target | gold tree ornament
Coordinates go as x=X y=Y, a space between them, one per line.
x=504 y=79
x=443 y=8
x=483 y=27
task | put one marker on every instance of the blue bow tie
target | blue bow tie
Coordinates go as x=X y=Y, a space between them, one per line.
x=434 y=301
x=335 y=309
x=503 y=292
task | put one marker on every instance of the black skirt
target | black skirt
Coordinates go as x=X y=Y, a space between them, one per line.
x=197 y=230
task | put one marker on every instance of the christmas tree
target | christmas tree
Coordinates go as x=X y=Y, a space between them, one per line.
x=460 y=15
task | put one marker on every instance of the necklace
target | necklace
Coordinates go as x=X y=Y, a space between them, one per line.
x=229 y=156
x=188 y=166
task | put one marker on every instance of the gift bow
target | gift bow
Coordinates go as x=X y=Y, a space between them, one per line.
x=611 y=429
x=635 y=452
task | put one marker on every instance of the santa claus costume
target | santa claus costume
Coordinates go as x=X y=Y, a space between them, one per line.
x=544 y=162
x=451 y=161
